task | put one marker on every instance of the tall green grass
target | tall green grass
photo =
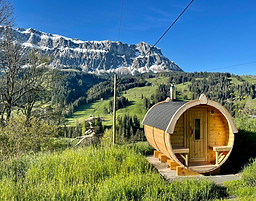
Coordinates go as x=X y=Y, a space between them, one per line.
x=112 y=173
x=245 y=188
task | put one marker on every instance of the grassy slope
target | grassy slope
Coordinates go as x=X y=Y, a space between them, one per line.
x=136 y=103
x=250 y=79
x=115 y=173
x=86 y=110
x=235 y=81
x=135 y=106
x=97 y=108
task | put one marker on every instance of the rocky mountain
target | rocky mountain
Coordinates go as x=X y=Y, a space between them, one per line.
x=94 y=56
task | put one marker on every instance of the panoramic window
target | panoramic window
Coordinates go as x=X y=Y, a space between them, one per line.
x=197 y=129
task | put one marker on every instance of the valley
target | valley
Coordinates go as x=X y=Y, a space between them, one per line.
x=137 y=95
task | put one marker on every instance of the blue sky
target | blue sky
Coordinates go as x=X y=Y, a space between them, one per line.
x=213 y=35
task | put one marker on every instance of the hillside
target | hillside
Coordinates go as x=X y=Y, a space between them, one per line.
x=235 y=98
x=134 y=96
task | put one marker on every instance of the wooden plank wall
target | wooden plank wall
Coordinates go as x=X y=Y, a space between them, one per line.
x=230 y=140
x=160 y=141
x=218 y=130
x=177 y=138
x=149 y=132
x=168 y=145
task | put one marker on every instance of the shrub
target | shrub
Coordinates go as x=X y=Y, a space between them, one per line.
x=144 y=148
x=107 y=138
x=17 y=137
x=249 y=176
x=246 y=123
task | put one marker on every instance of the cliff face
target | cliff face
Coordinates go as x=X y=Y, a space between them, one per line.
x=94 y=56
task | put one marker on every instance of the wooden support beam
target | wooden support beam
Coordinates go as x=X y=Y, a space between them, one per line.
x=156 y=153
x=173 y=165
x=183 y=152
x=216 y=157
x=181 y=171
x=163 y=158
x=220 y=152
x=185 y=157
x=169 y=162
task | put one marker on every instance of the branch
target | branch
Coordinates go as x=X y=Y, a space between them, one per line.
x=85 y=137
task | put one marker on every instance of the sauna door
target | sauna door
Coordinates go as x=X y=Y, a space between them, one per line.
x=197 y=134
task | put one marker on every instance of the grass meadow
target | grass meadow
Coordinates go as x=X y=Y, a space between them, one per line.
x=95 y=173
x=134 y=96
x=135 y=106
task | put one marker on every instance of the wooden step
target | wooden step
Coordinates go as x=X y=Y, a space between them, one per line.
x=173 y=165
x=181 y=171
x=156 y=153
x=163 y=158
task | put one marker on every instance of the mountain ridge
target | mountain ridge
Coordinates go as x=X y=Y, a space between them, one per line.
x=94 y=56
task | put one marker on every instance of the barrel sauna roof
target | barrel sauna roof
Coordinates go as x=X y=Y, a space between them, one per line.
x=160 y=115
x=164 y=115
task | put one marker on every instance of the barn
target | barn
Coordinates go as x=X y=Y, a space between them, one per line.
x=197 y=136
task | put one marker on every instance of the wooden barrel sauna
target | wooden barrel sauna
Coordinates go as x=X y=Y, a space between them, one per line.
x=198 y=135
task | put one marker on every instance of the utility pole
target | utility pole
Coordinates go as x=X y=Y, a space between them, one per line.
x=114 y=111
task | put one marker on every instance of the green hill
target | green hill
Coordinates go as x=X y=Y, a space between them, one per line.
x=234 y=92
x=97 y=108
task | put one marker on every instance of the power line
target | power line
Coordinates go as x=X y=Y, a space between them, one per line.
x=170 y=26
x=167 y=30
x=231 y=66
x=120 y=23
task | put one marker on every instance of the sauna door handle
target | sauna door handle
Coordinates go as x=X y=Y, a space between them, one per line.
x=191 y=131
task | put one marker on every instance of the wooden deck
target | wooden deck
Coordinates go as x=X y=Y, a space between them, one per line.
x=170 y=175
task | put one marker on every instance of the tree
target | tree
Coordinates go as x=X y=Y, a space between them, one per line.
x=10 y=66
x=24 y=78
x=6 y=13
x=6 y=19
x=40 y=85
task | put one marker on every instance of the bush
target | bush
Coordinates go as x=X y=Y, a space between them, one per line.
x=144 y=148
x=249 y=175
x=246 y=123
x=18 y=137
x=107 y=138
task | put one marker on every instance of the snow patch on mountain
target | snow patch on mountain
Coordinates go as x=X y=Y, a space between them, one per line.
x=94 y=56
